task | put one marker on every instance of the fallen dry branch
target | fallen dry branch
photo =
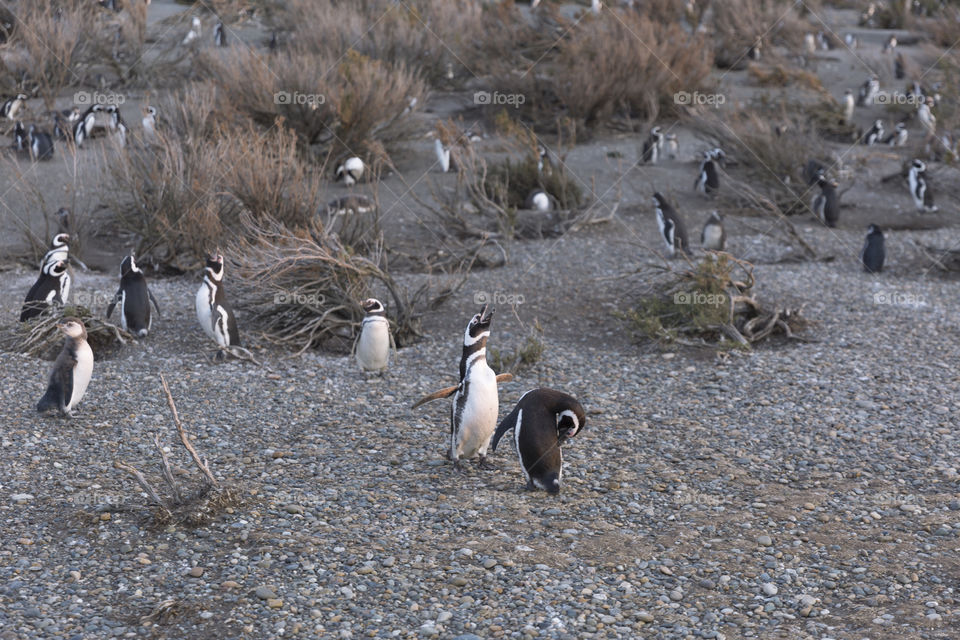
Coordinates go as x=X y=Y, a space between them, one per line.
x=40 y=337
x=201 y=463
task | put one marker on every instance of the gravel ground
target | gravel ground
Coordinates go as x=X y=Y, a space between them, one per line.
x=807 y=490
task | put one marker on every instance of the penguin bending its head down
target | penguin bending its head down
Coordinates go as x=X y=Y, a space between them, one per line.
x=826 y=204
x=373 y=345
x=52 y=287
x=213 y=311
x=672 y=229
x=71 y=370
x=713 y=237
x=873 y=253
x=473 y=414
x=134 y=299
x=350 y=171
x=41 y=144
x=542 y=422
x=538 y=200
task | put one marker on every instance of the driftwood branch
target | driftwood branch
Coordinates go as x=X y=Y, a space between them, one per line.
x=123 y=466
x=167 y=474
x=201 y=464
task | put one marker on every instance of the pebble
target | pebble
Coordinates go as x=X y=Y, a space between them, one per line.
x=265 y=593
x=764 y=541
x=770 y=589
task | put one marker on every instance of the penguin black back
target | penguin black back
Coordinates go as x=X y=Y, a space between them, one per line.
x=874 y=252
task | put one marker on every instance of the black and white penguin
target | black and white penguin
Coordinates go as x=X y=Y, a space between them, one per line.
x=59 y=246
x=826 y=204
x=920 y=187
x=813 y=170
x=754 y=51
x=874 y=134
x=544 y=162
x=373 y=345
x=673 y=146
x=51 y=287
x=897 y=137
x=83 y=127
x=350 y=170
x=708 y=180
x=873 y=253
x=848 y=106
x=443 y=155
x=868 y=92
x=12 y=106
x=20 y=137
x=71 y=371
x=134 y=299
x=890 y=45
x=538 y=200
x=117 y=125
x=672 y=229
x=41 y=144
x=196 y=30
x=714 y=236
x=652 y=146
x=542 y=422
x=149 y=122
x=927 y=120
x=213 y=311
x=219 y=35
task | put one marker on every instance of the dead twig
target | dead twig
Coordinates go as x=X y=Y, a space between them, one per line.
x=201 y=463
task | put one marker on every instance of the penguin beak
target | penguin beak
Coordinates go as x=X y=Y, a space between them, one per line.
x=486 y=314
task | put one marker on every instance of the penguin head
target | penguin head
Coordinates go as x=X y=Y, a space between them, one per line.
x=874 y=230
x=570 y=421
x=552 y=483
x=214 y=268
x=479 y=324
x=60 y=240
x=659 y=200
x=73 y=328
x=128 y=266
x=715 y=218
x=655 y=131
x=372 y=306
x=919 y=165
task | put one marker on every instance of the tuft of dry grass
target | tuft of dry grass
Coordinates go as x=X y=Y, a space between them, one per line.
x=40 y=336
x=739 y=24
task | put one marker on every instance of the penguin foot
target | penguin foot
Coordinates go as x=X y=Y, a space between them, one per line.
x=483 y=464
x=220 y=356
x=457 y=466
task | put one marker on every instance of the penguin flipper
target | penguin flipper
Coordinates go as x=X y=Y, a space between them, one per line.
x=436 y=395
x=113 y=303
x=504 y=377
x=510 y=422
x=154 y=301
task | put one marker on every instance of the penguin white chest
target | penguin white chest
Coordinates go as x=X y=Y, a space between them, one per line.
x=123 y=310
x=82 y=372
x=373 y=348
x=712 y=237
x=478 y=416
x=205 y=309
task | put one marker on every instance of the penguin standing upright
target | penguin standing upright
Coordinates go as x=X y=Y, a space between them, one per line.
x=673 y=146
x=473 y=414
x=11 y=106
x=219 y=35
x=542 y=422
x=652 y=146
x=117 y=125
x=83 y=127
x=713 y=237
x=213 y=311
x=71 y=371
x=848 y=106
x=672 y=229
x=708 y=180
x=920 y=187
x=897 y=137
x=927 y=120
x=41 y=144
x=196 y=29
x=350 y=171
x=899 y=67
x=826 y=204
x=149 y=122
x=443 y=155
x=868 y=92
x=20 y=137
x=53 y=286
x=874 y=134
x=134 y=299
x=373 y=345
x=873 y=253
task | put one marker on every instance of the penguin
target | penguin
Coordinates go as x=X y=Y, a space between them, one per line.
x=813 y=170
x=59 y=246
x=273 y=42
x=848 y=106
x=890 y=45
x=826 y=204
x=851 y=41
x=810 y=43
x=134 y=299
x=897 y=137
x=350 y=171
x=20 y=137
x=83 y=127
x=713 y=237
x=354 y=204
x=542 y=422
x=53 y=286
x=195 y=31
x=927 y=120
x=868 y=91
x=213 y=311
x=219 y=35
x=544 y=163
x=754 y=51
x=443 y=155
x=652 y=146
x=874 y=134
x=61 y=128
x=71 y=115
x=672 y=229
x=708 y=180
x=373 y=345
x=117 y=125
x=41 y=144
x=873 y=253
x=473 y=414
x=673 y=147
x=899 y=68
x=919 y=187
x=149 y=122
x=538 y=200
x=71 y=371
x=12 y=105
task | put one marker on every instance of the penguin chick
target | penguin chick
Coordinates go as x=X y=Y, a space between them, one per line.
x=542 y=422
x=71 y=371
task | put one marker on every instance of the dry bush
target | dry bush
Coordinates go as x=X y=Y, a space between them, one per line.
x=610 y=67
x=945 y=31
x=710 y=303
x=182 y=200
x=339 y=105
x=432 y=36
x=56 y=38
x=40 y=336
x=737 y=25
x=779 y=75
